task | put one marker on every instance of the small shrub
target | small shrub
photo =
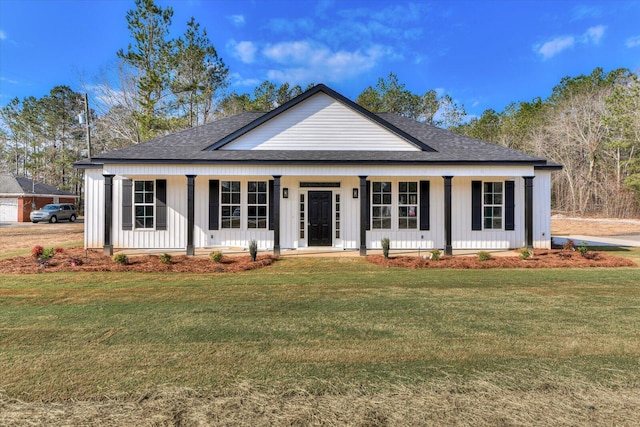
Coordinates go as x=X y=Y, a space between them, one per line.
x=215 y=256
x=385 y=247
x=583 y=249
x=484 y=256
x=569 y=245
x=165 y=258
x=36 y=252
x=58 y=250
x=525 y=253
x=253 y=249
x=434 y=254
x=47 y=253
x=120 y=259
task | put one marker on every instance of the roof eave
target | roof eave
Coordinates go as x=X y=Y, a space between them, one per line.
x=549 y=167
x=538 y=164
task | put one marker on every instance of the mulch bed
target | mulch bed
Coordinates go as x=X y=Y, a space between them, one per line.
x=541 y=259
x=96 y=261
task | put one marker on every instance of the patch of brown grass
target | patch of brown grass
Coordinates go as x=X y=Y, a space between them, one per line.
x=442 y=403
x=541 y=259
x=15 y=238
x=97 y=261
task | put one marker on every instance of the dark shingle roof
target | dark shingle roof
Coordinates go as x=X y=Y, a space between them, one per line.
x=200 y=144
x=10 y=184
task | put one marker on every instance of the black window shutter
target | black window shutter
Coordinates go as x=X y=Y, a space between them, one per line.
x=424 y=205
x=368 y=199
x=214 y=203
x=271 y=214
x=161 y=204
x=476 y=205
x=127 y=199
x=509 y=205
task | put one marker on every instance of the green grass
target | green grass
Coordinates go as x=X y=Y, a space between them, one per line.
x=20 y=252
x=320 y=323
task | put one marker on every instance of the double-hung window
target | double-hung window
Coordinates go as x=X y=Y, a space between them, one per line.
x=493 y=204
x=143 y=202
x=407 y=205
x=230 y=204
x=381 y=205
x=257 y=204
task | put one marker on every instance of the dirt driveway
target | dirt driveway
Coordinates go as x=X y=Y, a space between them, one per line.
x=563 y=226
x=19 y=237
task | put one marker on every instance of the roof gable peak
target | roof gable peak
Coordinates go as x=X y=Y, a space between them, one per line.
x=345 y=102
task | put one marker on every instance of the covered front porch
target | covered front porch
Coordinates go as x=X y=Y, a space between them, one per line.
x=334 y=214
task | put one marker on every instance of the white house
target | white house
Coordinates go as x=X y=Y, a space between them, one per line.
x=318 y=171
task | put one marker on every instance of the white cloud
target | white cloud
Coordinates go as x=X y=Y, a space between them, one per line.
x=237 y=20
x=555 y=46
x=594 y=34
x=3 y=35
x=238 y=80
x=291 y=26
x=549 y=49
x=306 y=61
x=633 y=42
x=581 y=12
x=244 y=50
x=13 y=82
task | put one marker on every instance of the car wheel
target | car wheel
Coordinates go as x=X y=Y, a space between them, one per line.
x=35 y=222
x=72 y=218
x=53 y=219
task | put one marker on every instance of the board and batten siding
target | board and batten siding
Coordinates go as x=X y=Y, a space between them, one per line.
x=412 y=239
x=175 y=235
x=349 y=212
x=463 y=237
x=94 y=209
x=542 y=210
x=321 y=123
x=237 y=238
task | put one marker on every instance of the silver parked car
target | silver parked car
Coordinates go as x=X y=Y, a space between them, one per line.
x=55 y=212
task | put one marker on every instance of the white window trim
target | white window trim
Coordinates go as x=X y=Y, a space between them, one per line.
x=408 y=205
x=145 y=204
x=382 y=205
x=257 y=205
x=239 y=205
x=493 y=205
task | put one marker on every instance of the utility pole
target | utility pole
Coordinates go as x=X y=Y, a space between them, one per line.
x=86 y=114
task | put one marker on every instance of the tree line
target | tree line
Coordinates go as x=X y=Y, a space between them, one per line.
x=158 y=85
x=591 y=125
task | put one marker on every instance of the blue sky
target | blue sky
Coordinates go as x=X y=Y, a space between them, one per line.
x=485 y=54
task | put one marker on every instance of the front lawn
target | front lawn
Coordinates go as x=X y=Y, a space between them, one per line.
x=326 y=327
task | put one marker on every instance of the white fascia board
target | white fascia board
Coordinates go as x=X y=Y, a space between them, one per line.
x=151 y=170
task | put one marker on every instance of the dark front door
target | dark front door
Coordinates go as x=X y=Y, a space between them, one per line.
x=319 y=218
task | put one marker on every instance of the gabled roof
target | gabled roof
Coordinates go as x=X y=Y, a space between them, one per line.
x=202 y=144
x=19 y=185
x=303 y=97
